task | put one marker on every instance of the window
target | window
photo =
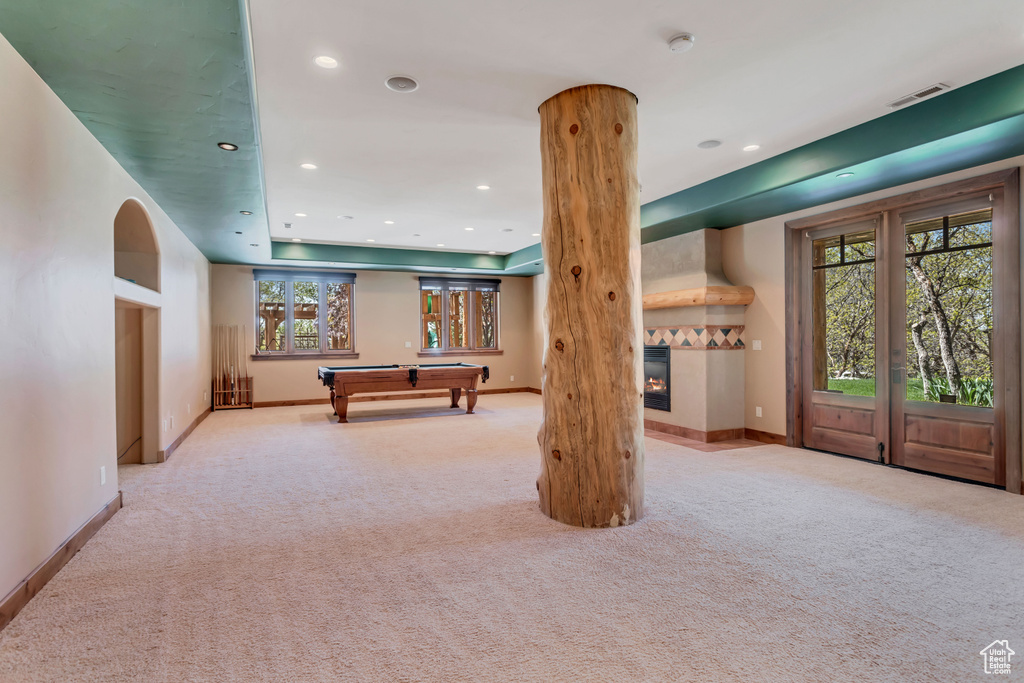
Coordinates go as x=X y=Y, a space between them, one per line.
x=458 y=316
x=301 y=312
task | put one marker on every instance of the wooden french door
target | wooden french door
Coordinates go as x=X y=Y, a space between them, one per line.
x=909 y=328
x=945 y=285
x=843 y=290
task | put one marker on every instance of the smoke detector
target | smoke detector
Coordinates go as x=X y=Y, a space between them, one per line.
x=682 y=42
x=923 y=94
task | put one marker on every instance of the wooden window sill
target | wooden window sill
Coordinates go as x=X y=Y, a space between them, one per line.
x=461 y=352
x=341 y=355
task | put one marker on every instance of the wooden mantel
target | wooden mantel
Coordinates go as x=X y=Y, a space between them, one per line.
x=700 y=296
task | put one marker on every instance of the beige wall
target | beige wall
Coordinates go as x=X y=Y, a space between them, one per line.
x=540 y=293
x=59 y=193
x=386 y=317
x=754 y=255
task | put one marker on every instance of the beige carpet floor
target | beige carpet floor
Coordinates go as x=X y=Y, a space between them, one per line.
x=408 y=546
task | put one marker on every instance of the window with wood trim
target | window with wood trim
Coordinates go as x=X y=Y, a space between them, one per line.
x=304 y=312
x=458 y=315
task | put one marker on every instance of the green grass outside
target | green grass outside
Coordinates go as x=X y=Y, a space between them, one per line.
x=866 y=387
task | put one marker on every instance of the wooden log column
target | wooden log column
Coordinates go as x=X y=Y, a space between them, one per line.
x=591 y=439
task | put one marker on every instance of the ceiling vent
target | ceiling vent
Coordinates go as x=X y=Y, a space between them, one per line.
x=924 y=94
x=287 y=225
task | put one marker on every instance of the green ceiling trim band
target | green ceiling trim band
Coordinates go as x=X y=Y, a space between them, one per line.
x=391 y=259
x=969 y=126
x=524 y=259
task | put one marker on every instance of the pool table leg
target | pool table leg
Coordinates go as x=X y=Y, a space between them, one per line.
x=456 y=395
x=332 y=401
x=341 y=408
x=470 y=400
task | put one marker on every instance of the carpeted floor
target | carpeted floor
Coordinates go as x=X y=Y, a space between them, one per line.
x=408 y=546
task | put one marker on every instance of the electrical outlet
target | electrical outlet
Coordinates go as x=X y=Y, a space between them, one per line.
x=512 y=378
x=165 y=425
x=757 y=344
x=205 y=399
x=408 y=345
x=757 y=411
x=188 y=408
x=172 y=422
x=103 y=475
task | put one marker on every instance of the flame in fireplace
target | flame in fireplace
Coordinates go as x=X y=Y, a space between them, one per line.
x=655 y=385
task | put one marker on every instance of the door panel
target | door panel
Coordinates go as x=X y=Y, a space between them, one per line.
x=943 y=299
x=843 y=396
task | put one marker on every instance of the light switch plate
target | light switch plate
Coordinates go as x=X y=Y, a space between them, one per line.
x=408 y=345
x=757 y=411
x=757 y=344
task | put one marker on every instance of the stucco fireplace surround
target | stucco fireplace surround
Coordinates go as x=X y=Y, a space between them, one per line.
x=691 y=308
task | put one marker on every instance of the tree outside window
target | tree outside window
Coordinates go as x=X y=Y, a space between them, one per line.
x=458 y=315
x=318 y=318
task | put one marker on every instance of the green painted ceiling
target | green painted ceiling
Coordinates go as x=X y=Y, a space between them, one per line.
x=160 y=85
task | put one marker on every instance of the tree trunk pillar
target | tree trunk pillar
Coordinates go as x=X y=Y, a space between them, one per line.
x=591 y=439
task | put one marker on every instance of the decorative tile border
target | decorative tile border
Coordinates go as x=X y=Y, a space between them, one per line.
x=699 y=338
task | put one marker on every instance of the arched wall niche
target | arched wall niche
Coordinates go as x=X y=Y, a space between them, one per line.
x=136 y=252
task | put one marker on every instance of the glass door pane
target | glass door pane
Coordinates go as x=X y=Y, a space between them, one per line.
x=843 y=314
x=949 y=313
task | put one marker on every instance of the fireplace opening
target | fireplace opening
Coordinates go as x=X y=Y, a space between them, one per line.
x=657 y=378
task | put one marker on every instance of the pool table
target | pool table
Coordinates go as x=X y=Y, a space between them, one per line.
x=345 y=380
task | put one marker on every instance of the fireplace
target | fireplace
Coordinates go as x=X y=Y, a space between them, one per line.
x=657 y=378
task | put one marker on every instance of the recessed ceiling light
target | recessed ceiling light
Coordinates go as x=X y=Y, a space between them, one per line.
x=389 y=222
x=254 y=245
x=441 y=244
x=401 y=84
x=847 y=174
x=483 y=187
x=506 y=229
x=751 y=148
x=682 y=42
x=227 y=146
x=326 y=62
x=371 y=240
x=709 y=144
x=492 y=252
x=309 y=167
x=415 y=234
x=296 y=239
x=469 y=229
x=301 y=215
x=536 y=234
x=245 y=213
